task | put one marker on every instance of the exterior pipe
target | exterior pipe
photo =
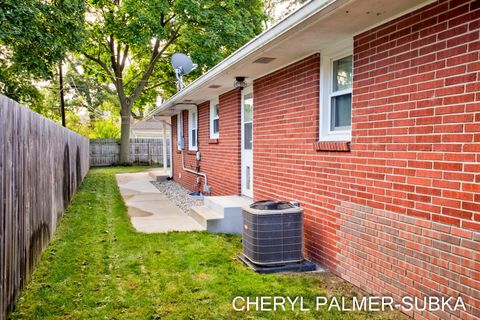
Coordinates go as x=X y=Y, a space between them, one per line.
x=171 y=152
x=206 y=188
x=201 y=174
x=164 y=145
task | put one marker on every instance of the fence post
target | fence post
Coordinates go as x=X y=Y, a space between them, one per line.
x=149 y=153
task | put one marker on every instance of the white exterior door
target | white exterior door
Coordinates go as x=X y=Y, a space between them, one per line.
x=247 y=142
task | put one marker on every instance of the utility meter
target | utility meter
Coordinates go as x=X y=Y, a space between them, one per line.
x=181 y=143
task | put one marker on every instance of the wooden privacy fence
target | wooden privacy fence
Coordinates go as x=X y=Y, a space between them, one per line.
x=41 y=166
x=106 y=152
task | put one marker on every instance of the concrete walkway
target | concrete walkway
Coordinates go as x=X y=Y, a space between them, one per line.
x=149 y=210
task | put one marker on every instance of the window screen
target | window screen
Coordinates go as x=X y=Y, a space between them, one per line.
x=341 y=95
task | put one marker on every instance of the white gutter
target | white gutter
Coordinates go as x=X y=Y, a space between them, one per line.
x=305 y=12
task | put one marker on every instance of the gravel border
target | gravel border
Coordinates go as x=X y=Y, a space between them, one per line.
x=177 y=194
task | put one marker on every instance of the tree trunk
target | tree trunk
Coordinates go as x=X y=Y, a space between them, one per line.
x=125 y=133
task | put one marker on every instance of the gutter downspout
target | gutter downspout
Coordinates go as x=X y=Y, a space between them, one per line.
x=171 y=150
x=164 y=145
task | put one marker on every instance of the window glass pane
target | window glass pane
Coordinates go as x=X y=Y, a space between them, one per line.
x=247 y=178
x=247 y=127
x=194 y=138
x=194 y=119
x=342 y=74
x=341 y=111
x=216 y=111
x=215 y=126
x=180 y=125
x=247 y=108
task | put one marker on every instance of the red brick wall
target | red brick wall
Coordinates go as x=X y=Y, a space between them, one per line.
x=188 y=180
x=220 y=159
x=286 y=166
x=400 y=213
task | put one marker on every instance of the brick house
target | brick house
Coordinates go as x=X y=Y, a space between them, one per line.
x=368 y=114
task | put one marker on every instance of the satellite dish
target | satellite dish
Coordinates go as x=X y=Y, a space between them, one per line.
x=182 y=64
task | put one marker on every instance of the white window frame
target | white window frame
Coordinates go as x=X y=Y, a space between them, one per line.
x=192 y=125
x=326 y=69
x=214 y=102
x=179 y=129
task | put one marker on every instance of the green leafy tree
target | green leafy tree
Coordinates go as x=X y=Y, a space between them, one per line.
x=276 y=10
x=106 y=129
x=100 y=129
x=86 y=91
x=34 y=37
x=48 y=106
x=91 y=106
x=18 y=85
x=130 y=41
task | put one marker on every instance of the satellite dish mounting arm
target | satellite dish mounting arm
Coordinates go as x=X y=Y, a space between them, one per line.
x=182 y=65
x=179 y=77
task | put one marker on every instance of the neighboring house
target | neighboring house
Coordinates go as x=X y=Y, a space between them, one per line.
x=367 y=112
x=150 y=128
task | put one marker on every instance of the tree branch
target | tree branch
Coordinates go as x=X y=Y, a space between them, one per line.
x=155 y=55
x=156 y=85
x=124 y=58
x=164 y=22
x=101 y=64
x=118 y=74
x=113 y=62
x=119 y=47
x=133 y=78
x=72 y=65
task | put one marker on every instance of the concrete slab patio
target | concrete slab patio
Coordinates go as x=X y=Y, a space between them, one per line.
x=149 y=210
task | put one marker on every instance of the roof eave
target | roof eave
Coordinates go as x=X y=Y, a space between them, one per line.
x=297 y=17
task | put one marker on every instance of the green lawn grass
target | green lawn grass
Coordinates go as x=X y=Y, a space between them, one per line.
x=98 y=267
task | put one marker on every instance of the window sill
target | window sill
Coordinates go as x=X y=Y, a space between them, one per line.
x=341 y=146
x=213 y=141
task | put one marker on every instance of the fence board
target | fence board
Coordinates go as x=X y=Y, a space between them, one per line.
x=106 y=152
x=41 y=166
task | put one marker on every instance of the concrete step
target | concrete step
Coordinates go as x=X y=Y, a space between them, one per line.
x=159 y=174
x=204 y=216
x=226 y=204
x=230 y=209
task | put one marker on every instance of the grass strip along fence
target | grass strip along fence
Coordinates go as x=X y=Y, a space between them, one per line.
x=41 y=166
x=98 y=267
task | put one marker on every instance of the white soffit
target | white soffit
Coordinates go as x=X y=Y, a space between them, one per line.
x=313 y=28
